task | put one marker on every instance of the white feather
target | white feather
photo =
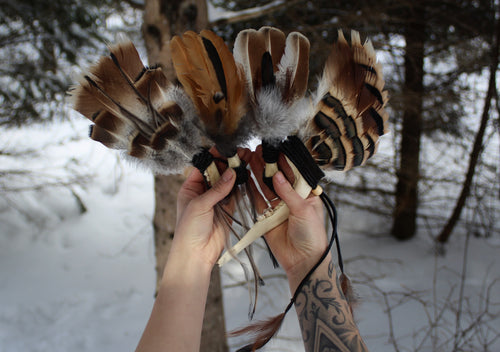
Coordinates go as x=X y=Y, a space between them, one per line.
x=290 y=58
x=240 y=54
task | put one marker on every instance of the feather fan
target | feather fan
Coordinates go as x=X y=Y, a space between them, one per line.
x=343 y=124
x=342 y=131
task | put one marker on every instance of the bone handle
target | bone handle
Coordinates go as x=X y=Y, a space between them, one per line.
x=271 y=169
x=212 y=174
x=278 y=216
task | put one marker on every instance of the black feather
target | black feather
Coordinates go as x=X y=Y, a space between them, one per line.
x=324 y=122
x=268 y=78
x=213 y=55
x=378 y=120
x=335 y=104
x=371 y=145
x=375 y=92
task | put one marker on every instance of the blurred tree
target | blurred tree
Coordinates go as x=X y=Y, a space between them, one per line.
x=39 y=43
x=478 y=140
x=163 y=20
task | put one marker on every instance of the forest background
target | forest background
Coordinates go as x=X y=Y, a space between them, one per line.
x=434 y=183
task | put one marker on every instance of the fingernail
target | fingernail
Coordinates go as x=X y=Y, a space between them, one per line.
x=280 y=178
x=227 y=175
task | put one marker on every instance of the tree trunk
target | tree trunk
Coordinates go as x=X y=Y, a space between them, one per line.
x=162 y=20
x=478 y=142
x=405 y=212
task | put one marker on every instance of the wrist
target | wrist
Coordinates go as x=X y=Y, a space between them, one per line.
x=186 y=268
x=191 y=254
x=297 y=273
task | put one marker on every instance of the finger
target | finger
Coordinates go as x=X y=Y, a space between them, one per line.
x=285 y=168
x=286 y=192
x=219 y=191
x=194 y=183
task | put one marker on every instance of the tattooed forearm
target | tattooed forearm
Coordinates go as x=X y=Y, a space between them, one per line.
x=325 y=319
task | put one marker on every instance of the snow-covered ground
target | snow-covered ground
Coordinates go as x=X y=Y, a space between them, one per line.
x=85 y=282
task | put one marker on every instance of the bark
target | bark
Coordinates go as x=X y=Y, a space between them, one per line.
x=162 y=20
x=478 y=143
x=405 y=212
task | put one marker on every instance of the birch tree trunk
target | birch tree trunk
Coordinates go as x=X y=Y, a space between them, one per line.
x=162 y=20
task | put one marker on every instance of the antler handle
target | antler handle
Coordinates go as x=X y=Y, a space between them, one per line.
x=276 y=217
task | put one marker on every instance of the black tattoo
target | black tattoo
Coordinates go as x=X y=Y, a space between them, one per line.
x=325 y=319
x=330 y=269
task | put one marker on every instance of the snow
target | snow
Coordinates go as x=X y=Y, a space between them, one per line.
x=85 y=282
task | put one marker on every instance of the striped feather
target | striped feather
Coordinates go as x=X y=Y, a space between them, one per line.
x=136 y=109
x=349 y=109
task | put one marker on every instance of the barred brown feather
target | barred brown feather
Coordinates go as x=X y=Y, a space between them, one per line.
x=350 y=104
x=136 y=109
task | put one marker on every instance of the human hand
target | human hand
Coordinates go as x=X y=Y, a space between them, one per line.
x=300 y=241
x=197 y=234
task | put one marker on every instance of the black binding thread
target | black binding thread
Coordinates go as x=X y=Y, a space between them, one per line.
x=298 y=154
x=270 y=154
x=202 y=160
x=241 y=173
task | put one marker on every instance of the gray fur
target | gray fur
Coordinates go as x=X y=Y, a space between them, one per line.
x=275 y=120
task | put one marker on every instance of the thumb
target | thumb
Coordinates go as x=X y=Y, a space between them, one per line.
x=286 y=192
x=218 y=191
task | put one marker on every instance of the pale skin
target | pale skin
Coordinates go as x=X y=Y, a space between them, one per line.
x=176 y=319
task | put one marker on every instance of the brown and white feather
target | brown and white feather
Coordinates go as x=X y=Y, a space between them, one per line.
x=349 y=107
x=136 y=109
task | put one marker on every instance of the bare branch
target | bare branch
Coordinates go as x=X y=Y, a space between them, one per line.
x=135 y=4
x=256 y=12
